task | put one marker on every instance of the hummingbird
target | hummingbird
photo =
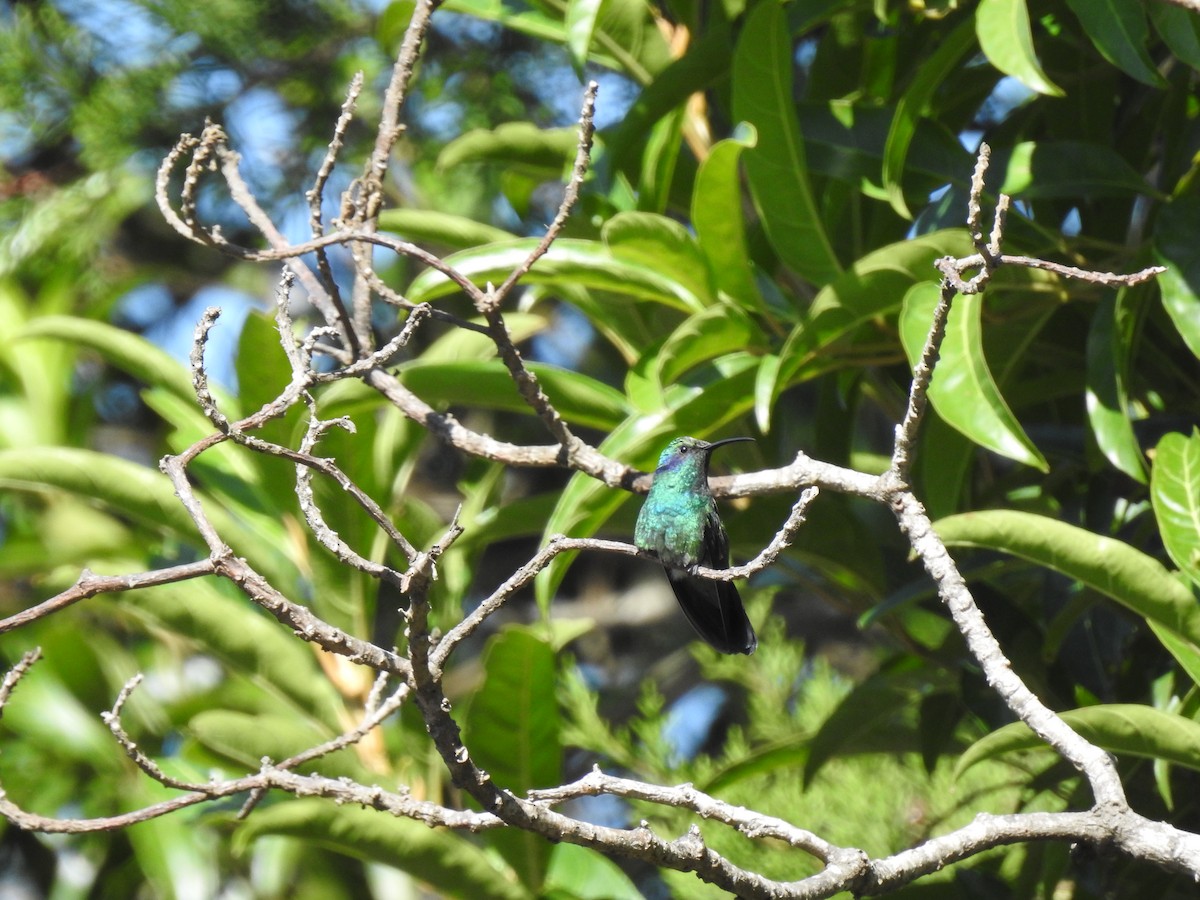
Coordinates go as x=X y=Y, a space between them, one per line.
x=679 y=524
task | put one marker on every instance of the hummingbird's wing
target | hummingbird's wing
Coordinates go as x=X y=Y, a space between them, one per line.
x=714 y=607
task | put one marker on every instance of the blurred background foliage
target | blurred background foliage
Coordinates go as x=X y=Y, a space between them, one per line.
x=752 y=255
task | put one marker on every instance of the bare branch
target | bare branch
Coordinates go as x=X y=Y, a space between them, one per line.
x=14 y=675
x=92 y=585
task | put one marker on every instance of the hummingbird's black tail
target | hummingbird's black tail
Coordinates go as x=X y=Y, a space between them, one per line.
x=715 y=610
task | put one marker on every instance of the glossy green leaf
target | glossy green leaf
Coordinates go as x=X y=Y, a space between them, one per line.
x=719 y=222
x=447 y=229
x=1125 y=729
x=1120 y=33
x=129 y=352
x=1138 y=582
x=1177 y=246
x=1006 y=40
x=663 y=246
x=776 y=168
x=660 y=156
x=1108 y=348
x=914 y=104
x=521 y=144
x=1185 y=652
x=1072 y=169
x=569 y=262
x=580 y=22
x=449 y=862
x=963 y=391
x=581 y=873
x=513 y=727
x=704 y=336
x=1175 y=495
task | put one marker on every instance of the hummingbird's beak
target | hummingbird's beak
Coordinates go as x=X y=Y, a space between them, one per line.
x=733 y=440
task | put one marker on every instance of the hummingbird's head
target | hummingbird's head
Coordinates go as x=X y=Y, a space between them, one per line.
x=690 y=453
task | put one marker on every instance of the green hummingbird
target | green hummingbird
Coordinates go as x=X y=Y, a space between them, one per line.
x=679 y=524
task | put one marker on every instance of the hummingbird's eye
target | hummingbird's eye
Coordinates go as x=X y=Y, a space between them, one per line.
x=683 y=449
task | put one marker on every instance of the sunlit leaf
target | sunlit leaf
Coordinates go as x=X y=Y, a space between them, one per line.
x=1108 y=348
x=580 y=22
x=1138 y=582
x=569 y=262
x=963 y=391
x=1125 y=729
x=1006 y=40
x=1177 y=246
x=776 y=168
x=1175 y=494
x=719 y=222
x=447 y=229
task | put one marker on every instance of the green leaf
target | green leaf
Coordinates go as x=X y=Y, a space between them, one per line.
x=776 y=168
x=427 y=225
x=660 y=245
x=1180 y=30
x=874 y=286
x=542 y=152
x=569 y=262
x=704 y=65
x=914 y=104
x=513 y=728
x=245 y=639
x=138 y=493
x=1175 y=495
x=581 y=873
x=1125 y=729
x=704 y=336
x=719 y=222
x=1005 y=39
x=581 y=22
x=963 y=391
x=1138 y=582
x=1072 y=169
x=1185 y=652
x=129 y=352
x=1177 y=246
x=1120 y=33
x=450 y=863
x=1108 y=347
